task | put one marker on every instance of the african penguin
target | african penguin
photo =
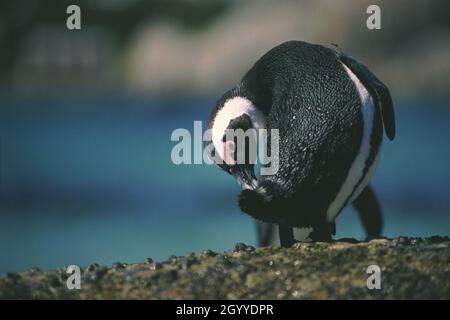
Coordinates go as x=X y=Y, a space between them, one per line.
x=329 y=110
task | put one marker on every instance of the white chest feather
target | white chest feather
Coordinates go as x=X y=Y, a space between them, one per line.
x=356 y=171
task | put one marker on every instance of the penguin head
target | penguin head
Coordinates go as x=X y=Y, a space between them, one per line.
x=234 y=124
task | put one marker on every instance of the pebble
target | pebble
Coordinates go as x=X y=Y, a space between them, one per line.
x=184 y=263
x=296 y=294
x=209 y=253
x=98 y=273
x=250 y=249
x=297 y=263
x=401 y=241
x=154 y=266
x=92 y=267
x=416 y=241
x=299 y=245
x=173 y=259
x=240 y=247
x=119 y=265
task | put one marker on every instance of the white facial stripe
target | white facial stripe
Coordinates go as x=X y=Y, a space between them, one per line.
x=232 y=109
x=357 y=168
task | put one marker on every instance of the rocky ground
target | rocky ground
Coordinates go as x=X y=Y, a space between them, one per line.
x=416 y=268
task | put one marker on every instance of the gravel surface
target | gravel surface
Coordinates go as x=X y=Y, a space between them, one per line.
x=411 y=268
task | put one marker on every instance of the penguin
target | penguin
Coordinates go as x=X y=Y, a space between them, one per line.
x=330 y=111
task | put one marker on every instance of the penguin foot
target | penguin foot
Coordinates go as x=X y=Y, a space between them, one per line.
x=321 y=234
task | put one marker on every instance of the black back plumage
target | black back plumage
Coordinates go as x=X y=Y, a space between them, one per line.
x=306 y=94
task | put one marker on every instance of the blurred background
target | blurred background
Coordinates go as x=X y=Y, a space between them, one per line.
x=86 y=118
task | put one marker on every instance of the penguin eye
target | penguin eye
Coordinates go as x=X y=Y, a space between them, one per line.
x=229 y=148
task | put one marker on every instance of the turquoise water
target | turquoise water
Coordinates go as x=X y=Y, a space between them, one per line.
x=92 y=181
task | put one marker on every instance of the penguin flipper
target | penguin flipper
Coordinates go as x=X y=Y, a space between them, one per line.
x=369 y=211
x=378 y=91
x=259 y=202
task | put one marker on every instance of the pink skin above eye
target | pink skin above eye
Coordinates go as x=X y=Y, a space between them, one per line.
x=228 y=151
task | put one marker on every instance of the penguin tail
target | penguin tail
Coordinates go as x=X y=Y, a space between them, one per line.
x=259 y=202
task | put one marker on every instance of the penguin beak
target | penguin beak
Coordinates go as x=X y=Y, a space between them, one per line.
x=245 y=176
